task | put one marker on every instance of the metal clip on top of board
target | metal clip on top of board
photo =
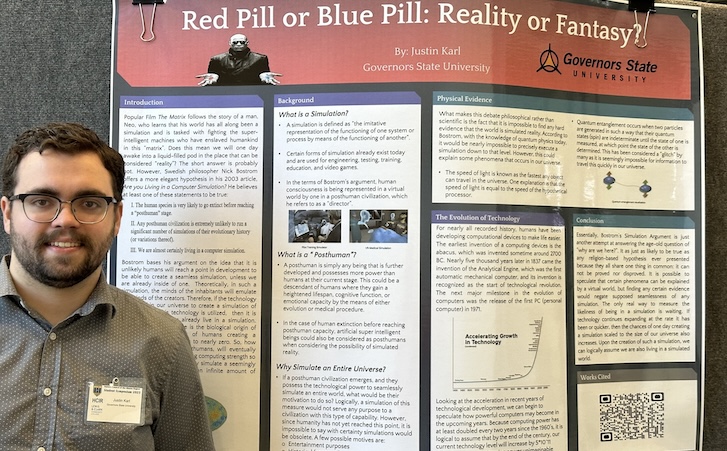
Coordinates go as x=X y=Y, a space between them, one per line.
x=641 y=6
x=143 y=22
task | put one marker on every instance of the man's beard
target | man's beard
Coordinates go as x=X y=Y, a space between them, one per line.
x=58 y=272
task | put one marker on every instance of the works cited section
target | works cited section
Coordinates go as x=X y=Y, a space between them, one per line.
x=498 y=331
x=190 y=240
x=346 y=263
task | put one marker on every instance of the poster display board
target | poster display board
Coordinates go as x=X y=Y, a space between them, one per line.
x=421 y=225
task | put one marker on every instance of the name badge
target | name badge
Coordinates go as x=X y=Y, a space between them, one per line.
x=115 y=403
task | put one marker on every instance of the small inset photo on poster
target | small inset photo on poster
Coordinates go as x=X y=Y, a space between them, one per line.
x=314 y=226
x=379 y=226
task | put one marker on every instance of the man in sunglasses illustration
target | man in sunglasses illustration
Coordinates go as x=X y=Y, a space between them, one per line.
x=238 y=66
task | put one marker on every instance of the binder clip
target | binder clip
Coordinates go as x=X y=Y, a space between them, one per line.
x=641 y=6
x=143 y=22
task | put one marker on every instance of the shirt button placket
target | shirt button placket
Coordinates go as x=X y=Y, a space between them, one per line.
x=46 y=404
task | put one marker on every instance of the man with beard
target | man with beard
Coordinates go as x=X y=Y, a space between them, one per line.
x=238 y=66
x=83 y=364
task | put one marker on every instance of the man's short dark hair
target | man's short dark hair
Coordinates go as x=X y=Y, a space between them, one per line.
x=67 y=138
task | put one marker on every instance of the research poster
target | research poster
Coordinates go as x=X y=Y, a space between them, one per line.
x=421 y=225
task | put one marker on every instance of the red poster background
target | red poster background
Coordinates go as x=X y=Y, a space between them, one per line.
x=329 y=54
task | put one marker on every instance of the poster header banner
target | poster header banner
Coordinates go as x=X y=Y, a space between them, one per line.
x=546 y=44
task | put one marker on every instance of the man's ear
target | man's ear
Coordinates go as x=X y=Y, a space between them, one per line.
x=6 y=207
x=117 y=217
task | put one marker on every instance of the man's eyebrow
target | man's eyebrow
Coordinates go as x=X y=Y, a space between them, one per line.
x=92 y=192
x=43 y=190
x=55 y=192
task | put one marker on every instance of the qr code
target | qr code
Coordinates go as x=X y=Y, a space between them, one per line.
x=632 y=416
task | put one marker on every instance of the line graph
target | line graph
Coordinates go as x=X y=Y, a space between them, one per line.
x=494 y=350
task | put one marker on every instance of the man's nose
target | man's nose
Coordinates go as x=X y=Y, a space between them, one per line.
x=65 y=214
